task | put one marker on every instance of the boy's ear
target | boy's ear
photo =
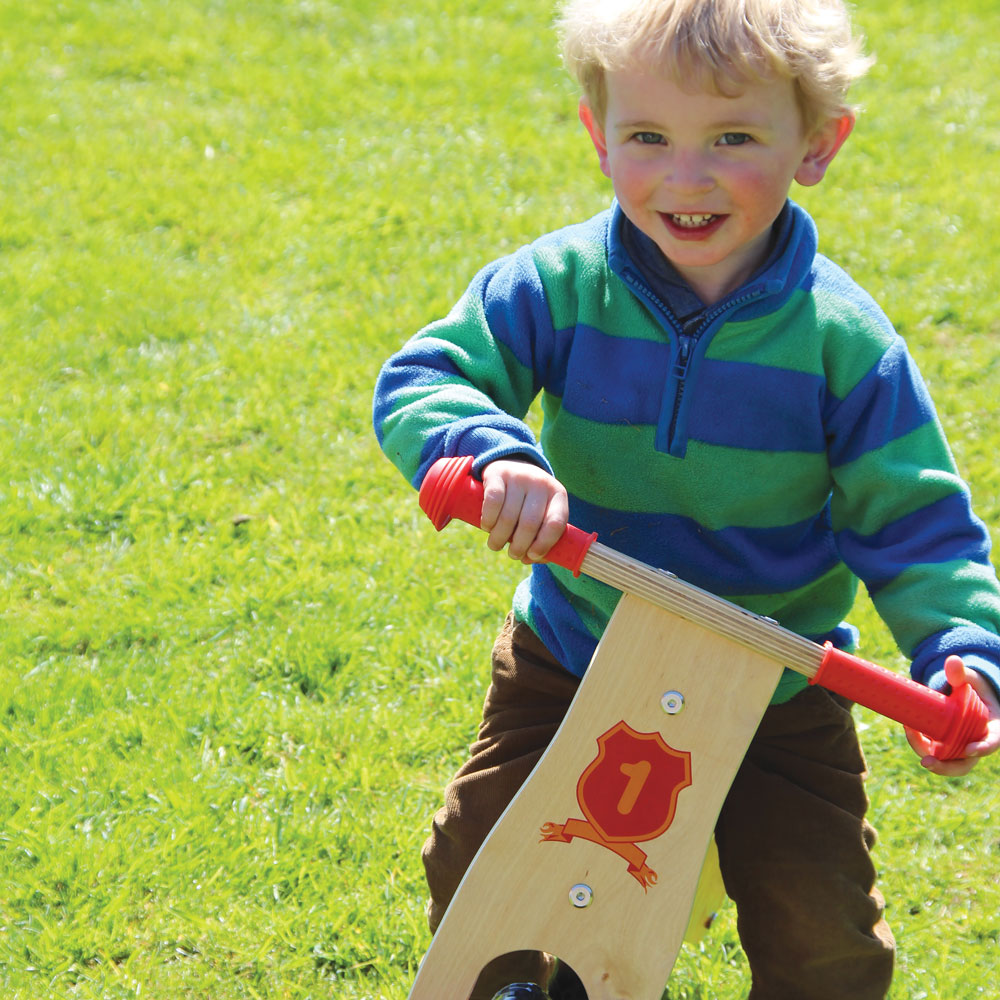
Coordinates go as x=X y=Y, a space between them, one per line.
x=823 y=147
x=596 y=134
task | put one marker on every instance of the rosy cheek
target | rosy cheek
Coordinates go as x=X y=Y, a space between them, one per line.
x=759 y=184
x=633 y=179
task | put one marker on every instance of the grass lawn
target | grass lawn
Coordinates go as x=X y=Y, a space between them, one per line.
x=236 y=663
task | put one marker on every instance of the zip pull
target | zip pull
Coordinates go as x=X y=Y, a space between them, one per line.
x=684 y=344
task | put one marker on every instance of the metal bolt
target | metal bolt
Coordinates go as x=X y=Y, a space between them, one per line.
x=672 y=702
x=581 y=895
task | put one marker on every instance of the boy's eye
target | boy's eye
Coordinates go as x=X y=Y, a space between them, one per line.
x=734 y=139
x=648 y=138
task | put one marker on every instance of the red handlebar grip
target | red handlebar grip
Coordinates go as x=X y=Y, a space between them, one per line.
x=450 y=490
x=951 y=721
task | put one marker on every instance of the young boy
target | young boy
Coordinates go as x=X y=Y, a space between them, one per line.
x=721 y=401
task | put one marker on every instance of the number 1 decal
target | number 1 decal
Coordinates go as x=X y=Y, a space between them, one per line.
x=637 y=774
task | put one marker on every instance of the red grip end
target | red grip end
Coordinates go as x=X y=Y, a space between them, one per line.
x=968 y=723
x=950 y=721
x=450 y=490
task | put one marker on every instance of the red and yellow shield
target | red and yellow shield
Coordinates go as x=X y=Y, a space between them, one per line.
x=628 y=795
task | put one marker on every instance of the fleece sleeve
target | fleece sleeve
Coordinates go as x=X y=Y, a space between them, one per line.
x=904 y=524
x=463 y=384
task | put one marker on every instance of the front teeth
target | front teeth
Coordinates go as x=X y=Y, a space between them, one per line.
x=692 y=221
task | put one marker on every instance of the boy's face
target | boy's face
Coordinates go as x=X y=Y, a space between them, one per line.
x=705 y=175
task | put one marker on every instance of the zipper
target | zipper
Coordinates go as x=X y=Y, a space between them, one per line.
x=687 y=338
x=686 y=341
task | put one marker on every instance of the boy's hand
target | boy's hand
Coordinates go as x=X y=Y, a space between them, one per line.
x=525 y=506
x=958 y=674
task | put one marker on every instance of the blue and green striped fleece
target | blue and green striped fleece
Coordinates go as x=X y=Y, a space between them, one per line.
x=775 y=457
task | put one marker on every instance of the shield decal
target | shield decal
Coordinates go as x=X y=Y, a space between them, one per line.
x=628 y=795
x=629 y=791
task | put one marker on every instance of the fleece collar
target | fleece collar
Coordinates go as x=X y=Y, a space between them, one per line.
x=635 y=259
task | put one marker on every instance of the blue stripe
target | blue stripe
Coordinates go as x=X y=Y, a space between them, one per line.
x=489 y=435
x=410 y=369
x=831 y=280
x=979 y=647
x=733 y=404
x=916 y=539
x=733 y=561
x=419 y=363
x=611 y=380
x=890 y=402
x=742 y=405
x=517 y=311
x=554 y=621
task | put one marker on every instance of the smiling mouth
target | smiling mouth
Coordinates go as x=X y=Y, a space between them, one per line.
x=693 y=226
x=691 y=221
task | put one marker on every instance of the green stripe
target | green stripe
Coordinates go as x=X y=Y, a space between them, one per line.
x=814 y=609
x=581 y=290
x=754 y=341
x=911 y=601
x=717 y=486
x=450 y=399
x=592 y=600
x=819 y=337
x=918 y=457
x=848 y=354
x=789 y=686
x=515 y=395
x=482 y=360
x=418 y=414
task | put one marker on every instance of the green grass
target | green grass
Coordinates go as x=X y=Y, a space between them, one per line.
x=236 y=665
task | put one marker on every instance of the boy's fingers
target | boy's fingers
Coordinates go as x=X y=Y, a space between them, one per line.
x=950 y=768
x=954 y=768
x=494 y=494
x=958 y=674
x=920 y=744
x=990 y=743
x=955 y=672
x=547 y=536
x=551 y=529
x=523 y=508
x=506 y=521
x=530 y=519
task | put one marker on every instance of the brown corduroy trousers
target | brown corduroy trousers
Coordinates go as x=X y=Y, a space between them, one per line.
x=792 y=836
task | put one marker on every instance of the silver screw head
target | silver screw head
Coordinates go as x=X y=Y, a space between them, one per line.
x=581 y=895
x=672 y=702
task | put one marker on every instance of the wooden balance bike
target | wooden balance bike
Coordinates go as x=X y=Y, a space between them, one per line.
x=609 y=834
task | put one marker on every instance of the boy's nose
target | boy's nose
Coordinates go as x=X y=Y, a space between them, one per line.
x=689 y=172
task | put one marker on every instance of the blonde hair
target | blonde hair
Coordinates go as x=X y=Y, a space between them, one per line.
x=719 y=44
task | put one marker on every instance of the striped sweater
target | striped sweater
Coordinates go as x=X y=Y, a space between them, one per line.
x=777 y=453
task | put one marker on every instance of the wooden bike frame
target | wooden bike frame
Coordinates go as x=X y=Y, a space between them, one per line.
x=597 y=859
